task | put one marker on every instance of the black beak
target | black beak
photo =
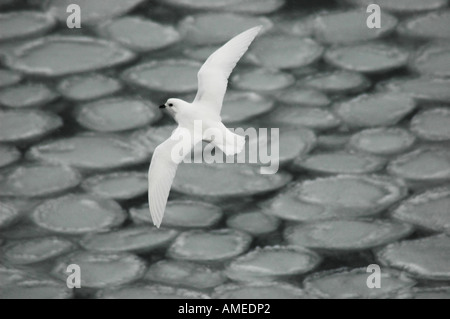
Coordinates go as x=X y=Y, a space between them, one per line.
x=162 y=106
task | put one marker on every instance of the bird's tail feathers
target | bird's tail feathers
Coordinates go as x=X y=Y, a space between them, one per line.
x=233 y=144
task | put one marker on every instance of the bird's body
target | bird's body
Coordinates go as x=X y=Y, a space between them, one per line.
x=205 y=109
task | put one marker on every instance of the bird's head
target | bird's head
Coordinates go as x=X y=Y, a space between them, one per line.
x=174 y=106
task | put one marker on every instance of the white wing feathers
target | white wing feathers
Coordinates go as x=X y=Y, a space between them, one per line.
x=213 y=75
x=162 y=171
x=212 y=85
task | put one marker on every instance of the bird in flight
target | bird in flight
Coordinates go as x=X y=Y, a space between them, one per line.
x=212 y=85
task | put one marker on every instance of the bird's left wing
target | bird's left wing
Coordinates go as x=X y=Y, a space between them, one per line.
x=163 y=167
x=214 y=73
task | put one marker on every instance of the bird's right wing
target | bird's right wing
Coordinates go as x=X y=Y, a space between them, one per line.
x=214 y=73
x=163 y=167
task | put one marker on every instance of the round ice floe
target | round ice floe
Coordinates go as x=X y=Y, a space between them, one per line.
x=242 y=106
x=20 y=24
x=339 y=162
x=256 y=6
x=174 y=76
x=36 y=289
x=191 y=214
x=22 y=126
x=337 y=82
x=117 y=114
x=210 y=246
x=24 y=231
x=8 y=77
x=422 y=167
x=425 y=258
x=138 y=34
x=8 y=215
x=24 y=206
x=182 y=214
x=272 y=263
x=237 y=180
x=296 y=25
x=149 y=139
x=35 y=250
x=433 y=60
x=376 y=109
x=287 y=205
x=10 y=275
x=348 y=193
x=274 y=290
x=60 y=55
x=350 y=26
x=88 y=87
x=27 y=95
x=425 y=89
x=201 y=53
x=141 y=239
x=300 y=96
x=431 y=293
x=218 y=28
x=254 y=223
x=311 y=117
x=34 y=180
x=262 y=80
x=352 y=284
x=432 y=125
x=372 y=57
x=284 y=52
x=8 y=155
x=332 y=141
x=403 y=6
x=428 y=210
x=150 y=292
x=91 y=152
x=242 y=6
x=102 y=270
x=92 y=11
x=382 y=141
x=346 y=235
x=431 y=25
x=304 y=71
x=78 y=214
x=290 y=142
x=118 y=185
x=185 y=274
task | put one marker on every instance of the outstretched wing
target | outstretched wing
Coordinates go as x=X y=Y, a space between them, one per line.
x=163 y=167
x=214 y=73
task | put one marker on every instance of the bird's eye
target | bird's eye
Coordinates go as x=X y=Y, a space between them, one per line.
x=170 y=104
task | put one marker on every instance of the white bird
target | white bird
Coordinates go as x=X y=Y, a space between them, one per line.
x=212 y=85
